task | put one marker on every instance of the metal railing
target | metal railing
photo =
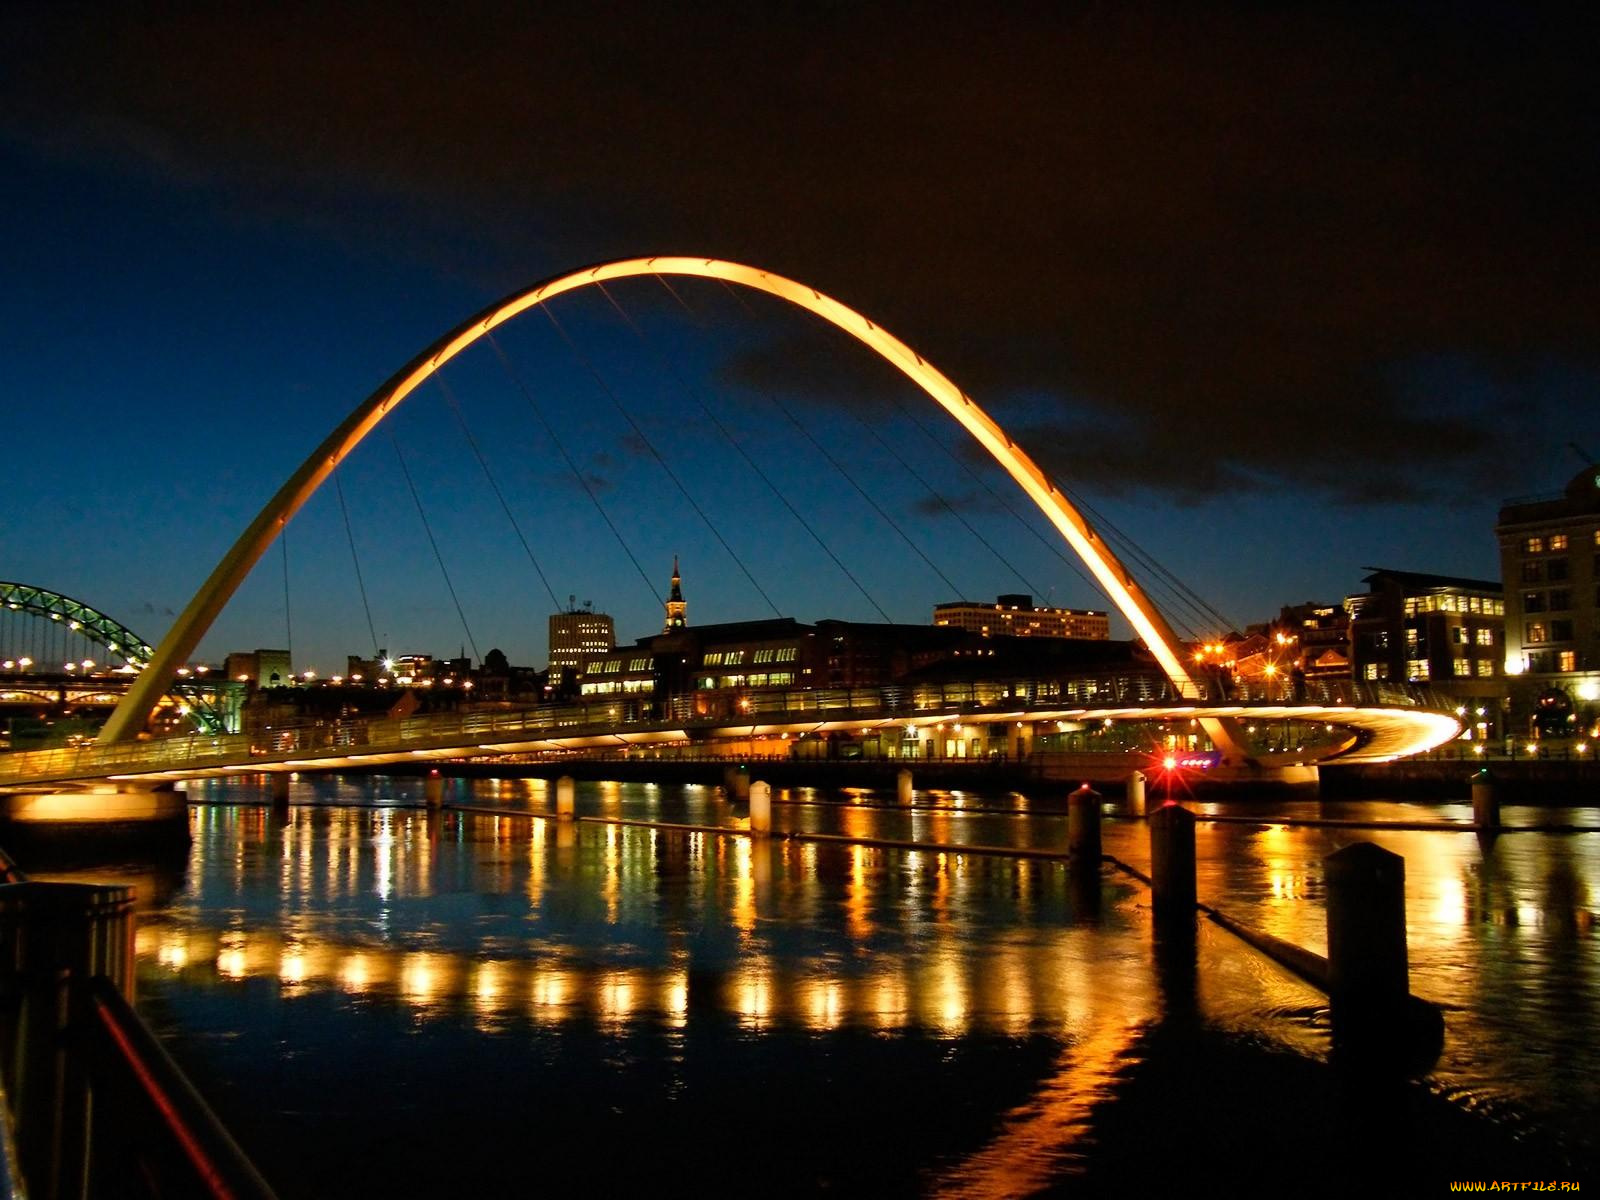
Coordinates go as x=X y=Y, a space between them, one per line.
x=98 y=1107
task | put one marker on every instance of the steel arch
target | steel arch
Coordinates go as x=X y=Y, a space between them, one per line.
x=105 y=632
x=1115 y=578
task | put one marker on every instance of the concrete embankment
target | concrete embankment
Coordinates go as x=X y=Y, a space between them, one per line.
x=1549 y=781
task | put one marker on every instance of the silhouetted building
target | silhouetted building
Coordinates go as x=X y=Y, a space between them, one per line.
x=1550 y=559
x=1016 y=616
x=263 y=668
x=576 y=636
x=1439 y=630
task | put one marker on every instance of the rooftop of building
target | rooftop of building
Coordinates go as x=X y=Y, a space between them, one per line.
x=1581 y=497
x=1419 y=581
x=1019 y=601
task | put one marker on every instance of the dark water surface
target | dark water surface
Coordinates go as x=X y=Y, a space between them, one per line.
x=380 y=1001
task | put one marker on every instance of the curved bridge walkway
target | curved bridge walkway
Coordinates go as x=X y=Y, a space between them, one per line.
x=1374 y=723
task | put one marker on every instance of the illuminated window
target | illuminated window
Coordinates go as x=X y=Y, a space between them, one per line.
x=1486 y=669
x=1373 y=670
x=787 y=653
x=1417 y=668
x=1533 y=545
x=1485 y=637
x=1558 y=541
x=1567 y=660
x=1463 y=667
x=1536 y=632
x=1411 y=640
x=1458 y=635
x=1597 y=537
x=639 y=664
x=1495 y=608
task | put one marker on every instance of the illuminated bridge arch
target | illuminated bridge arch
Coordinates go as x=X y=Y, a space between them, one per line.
x=1112 y=576
x=109 y=634
x=79 y=618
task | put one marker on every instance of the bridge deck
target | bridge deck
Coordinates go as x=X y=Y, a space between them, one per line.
x=1376 y=732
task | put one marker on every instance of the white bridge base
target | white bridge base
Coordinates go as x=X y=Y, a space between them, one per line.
x=110 y=804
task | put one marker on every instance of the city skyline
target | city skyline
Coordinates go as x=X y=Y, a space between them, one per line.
x=1278 y=331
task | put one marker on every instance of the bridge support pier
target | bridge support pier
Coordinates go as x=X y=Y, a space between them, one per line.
x=433 y=790
x=1376 y=1021
x=280 y=781
x=761 y=809
x=902 y=784
x=1172 y=883
x=566 y=798
x=1083 y=827
x=1485 y=804
x=96 y=805
x=736 y=782
x=1135 y=803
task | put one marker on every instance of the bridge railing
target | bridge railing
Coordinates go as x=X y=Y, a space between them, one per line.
x=599 y=717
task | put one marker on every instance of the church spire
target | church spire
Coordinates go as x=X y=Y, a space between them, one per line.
x=677 y=607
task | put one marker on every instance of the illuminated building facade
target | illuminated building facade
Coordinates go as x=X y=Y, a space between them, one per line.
x=677 y=607
x=1439 y=630
x=1319 y=634
x=1016 y=616
x=1550 y=559
x=262 y=668
x=715 y=670
x=576 y=636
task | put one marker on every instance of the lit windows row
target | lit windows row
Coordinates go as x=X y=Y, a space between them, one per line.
x=734 y=658
x=1490 y=606
x=1548 y=631
x=757 y=679
x=609 y=687
x=1549 y=541
x=1553 y=543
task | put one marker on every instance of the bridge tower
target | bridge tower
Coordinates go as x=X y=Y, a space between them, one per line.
x=677 y=606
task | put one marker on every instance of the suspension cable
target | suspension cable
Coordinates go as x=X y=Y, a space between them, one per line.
x=948 y=507
x=839 y=467
x=288 y=624
x=355 y=558
x=744 y=454
x=455 y=407
x=439 y=558
x=588 y=489
x=1182 y=624
x=611 y=395
x=671 y=369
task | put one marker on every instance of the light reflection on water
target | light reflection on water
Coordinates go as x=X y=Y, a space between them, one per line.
x=541 y=936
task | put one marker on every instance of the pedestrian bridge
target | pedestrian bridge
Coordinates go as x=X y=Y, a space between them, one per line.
x=1359 y=722
x=1344 y=721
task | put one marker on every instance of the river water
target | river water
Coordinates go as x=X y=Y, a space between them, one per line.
x=380 y=1000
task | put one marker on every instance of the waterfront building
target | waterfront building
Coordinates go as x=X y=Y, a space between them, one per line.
x=1439 y=630
x=1320 y=636
x=575 y=636
x=261 y=668
x=1015 y=615
x=1550 y=560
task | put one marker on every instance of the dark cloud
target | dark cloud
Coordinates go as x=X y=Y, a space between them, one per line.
x=1197 y=251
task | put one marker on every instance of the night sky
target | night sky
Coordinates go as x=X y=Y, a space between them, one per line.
x=1281 y=294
